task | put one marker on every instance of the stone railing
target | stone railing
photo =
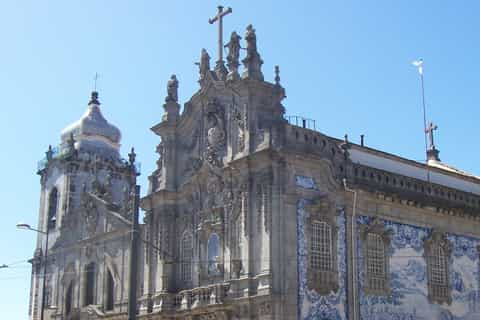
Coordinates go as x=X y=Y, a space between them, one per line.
x=191 y=298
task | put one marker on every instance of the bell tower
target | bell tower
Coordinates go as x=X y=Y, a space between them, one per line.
x=80 y=254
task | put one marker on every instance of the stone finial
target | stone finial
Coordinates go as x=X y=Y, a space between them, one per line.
x=94 y=98
x=204 y=64
x=172 y=89
x=131 y=157
x=233 y=56
x=253 y=62
x=277 y=75
x=49 y=153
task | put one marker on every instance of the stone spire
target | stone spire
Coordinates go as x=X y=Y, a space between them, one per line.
x=253 y=62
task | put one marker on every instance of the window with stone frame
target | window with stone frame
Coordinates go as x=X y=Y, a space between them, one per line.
x=437 y=253
x=376 y=262
x=186 y=255
x=321 y=236
x=52 y=209
x=89 y=283
x=321 y=246
x=69 y=298
x=110 y=291
x=213 y=255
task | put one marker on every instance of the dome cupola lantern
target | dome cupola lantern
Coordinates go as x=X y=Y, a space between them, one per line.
x=92 y=132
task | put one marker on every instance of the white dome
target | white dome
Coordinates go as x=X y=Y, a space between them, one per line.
x=92 y=129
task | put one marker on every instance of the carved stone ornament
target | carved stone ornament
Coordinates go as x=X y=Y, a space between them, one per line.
x=324 y=280
x=252 y=61
x=265 y=308
x=240 y=119
x=438 y=242
x=160 y=150
x=215 y=187
x=217 y=315
x=263 y=201
x=172 y=89
x=216 y=135
x=233 y=56
x=376 y=227
x=91 y=215
x=204 y=64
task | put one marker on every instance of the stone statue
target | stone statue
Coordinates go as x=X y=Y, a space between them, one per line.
x=251 y=38
x=172 y=89
x=252 y=61
x=204 y=64
x=233 y=50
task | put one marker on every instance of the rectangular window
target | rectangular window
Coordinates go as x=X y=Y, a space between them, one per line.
x=321 y=247
x=376 y=262
x=438 y=273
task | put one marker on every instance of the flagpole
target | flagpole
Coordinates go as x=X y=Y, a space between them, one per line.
x=419 y=64
x=424 y=114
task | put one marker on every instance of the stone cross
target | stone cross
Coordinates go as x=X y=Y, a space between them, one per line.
x=429 y=131
x=219 y=17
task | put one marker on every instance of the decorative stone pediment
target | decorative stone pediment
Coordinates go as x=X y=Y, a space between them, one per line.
x=376 y=226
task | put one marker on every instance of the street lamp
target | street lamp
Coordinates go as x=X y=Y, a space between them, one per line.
x=25 y=226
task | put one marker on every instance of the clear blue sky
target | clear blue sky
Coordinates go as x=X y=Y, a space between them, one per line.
x=345 y=64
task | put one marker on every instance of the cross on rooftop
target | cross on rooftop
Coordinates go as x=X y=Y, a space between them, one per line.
x=219 y=17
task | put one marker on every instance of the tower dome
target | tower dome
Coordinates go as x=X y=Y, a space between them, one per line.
x=92 y=132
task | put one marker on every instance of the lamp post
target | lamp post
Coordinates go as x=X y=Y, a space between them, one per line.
x=25 y=226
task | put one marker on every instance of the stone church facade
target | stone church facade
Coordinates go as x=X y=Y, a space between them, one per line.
x=250 y=216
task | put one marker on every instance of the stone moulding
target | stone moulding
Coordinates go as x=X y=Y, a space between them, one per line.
x=417 y=191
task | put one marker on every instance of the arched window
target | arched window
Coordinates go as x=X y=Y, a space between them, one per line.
x=186 y=257
x=90 y=284
x=52 y=208
x=69 y=299
x=110 y=294
x=437 y=251
x=376 y=267
x=321 y=246
x=213 y=254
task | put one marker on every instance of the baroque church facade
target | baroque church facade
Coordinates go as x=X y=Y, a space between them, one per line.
x=251 y=216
